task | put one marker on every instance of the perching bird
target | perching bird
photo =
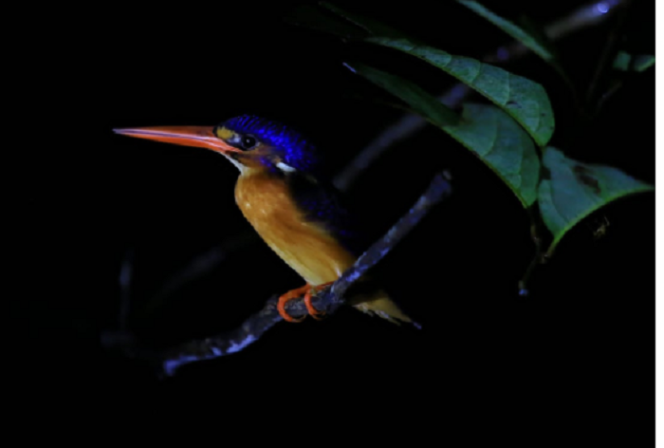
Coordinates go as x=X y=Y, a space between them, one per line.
x=287 y=200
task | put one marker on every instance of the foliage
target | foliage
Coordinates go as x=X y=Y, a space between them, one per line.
x=511 y=134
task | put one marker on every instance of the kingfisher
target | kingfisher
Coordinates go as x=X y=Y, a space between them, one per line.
x=284 y=194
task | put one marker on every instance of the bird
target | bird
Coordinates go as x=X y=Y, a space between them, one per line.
x=285 y=195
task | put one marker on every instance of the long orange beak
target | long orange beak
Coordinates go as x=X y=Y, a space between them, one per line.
x=196 y=136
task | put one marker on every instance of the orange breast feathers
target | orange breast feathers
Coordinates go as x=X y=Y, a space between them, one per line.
x=305 y=246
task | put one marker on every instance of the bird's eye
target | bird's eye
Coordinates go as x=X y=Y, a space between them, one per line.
x=248 y=141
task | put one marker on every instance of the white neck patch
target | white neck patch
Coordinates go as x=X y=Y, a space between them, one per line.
x=285 y=167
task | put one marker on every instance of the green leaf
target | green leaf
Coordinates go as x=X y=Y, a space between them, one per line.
x=420 y=101
x=368 y=25
x=525 y=100
x=621 y=62
x=638 y=63
x=315 y=19
x=536 y=45
x=485 y=130
x=574 y=190
x=503 y=145
x=642 y=62
x=379 y=101
x=522 y=98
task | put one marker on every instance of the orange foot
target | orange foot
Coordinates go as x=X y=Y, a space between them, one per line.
x=318 y=315
x=294 y=294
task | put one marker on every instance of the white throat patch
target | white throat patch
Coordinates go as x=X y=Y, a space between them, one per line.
x=235 y=162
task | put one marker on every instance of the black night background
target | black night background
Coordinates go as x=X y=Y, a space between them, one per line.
x=573 y=362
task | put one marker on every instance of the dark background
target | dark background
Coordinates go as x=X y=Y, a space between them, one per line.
x=573 y=361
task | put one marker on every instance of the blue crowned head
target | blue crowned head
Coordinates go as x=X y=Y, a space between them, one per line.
x=261 y=137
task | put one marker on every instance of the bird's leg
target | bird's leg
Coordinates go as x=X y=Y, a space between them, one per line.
x=307 y=301
x=290 y=295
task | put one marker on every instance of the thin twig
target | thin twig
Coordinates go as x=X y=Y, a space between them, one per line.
x=124 y=280
x=585 y=16
x=538 y=258
x=196 y=268
x=122 y=336
x=201 y=265
x=610 y=49
x=404 y=128
x=408 y=125
x=327 y=300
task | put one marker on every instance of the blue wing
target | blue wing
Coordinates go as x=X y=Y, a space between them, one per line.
x=324 y=204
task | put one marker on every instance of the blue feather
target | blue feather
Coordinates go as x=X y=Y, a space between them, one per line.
x=296 y=150
x=322 y=203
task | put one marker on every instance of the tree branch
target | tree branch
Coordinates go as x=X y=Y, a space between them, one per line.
x=328 y=300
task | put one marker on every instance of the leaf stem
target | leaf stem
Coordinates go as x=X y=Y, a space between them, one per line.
x=539 y=258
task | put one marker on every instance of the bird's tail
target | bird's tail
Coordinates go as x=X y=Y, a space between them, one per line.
x=378 y=303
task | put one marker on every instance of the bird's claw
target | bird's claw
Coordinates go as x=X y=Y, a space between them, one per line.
x=308 y=291
x=313 y=312
x=287 y=297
